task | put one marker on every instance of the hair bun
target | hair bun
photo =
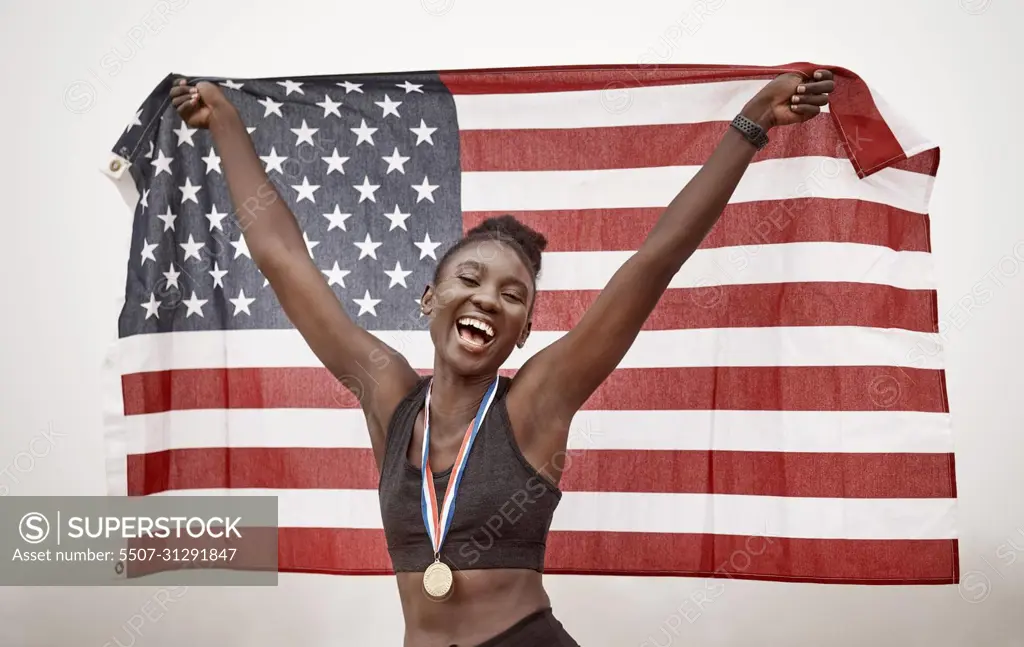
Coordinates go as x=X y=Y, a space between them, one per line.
x=507 y=227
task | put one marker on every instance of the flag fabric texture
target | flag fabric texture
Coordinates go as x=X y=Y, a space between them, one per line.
x=781 y=416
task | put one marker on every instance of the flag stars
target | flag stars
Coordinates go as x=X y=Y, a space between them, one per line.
x=147 y=251
x=423 y=133
x=364 y=133
x=135 y=121
x=233 y=85
x=291 y=86
x=241 y=303
x=189 y=191
x=168 y=219
x=172 y=276
x=192 y=248
x=397 y=219
x=215 y=217
x=330 y=107
x=273 y=161
x=367 y=304
x=366 y=190
x=218 y=275
x=396 y=162
x=352 y=87
x=185 y=133
x=427 y=248
x=389 y=107
x=304 y=134
x=425 y=191
x=144 y=200
x=310 y=244
x=212 y=162
x=152 y=306
x=162 y=163
x=335 y=162
x=270 y=107
x=337 y=219
x=194 y=305
x=367 y=248
x=306 y=190
x=241 y=248
x=410 y=87
x=397 y=276
x=336 y=275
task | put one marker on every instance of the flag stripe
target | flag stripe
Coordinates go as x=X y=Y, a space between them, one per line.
x=857 y=388
x=700 y=430
x=772 y=179
x=724 y=514
x=781 y=474
x=800 y=220
x=704 y=347
x=574 y=149
x=835 y=561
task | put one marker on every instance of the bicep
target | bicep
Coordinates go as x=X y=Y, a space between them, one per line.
x=376 y=374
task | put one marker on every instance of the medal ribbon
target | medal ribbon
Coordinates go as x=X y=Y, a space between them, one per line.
x=438 y=525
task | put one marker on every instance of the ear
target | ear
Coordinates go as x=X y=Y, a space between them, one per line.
x=427 y=300
x=526 y=333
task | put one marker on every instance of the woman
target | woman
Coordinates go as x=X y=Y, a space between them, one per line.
x=453 y=592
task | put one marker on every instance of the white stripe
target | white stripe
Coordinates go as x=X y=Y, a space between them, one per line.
x=754 y=264
x=772 y=179
x=644 y=512
x=776 y=346
x=760 y=431
x=619 y=104
x=910 y=139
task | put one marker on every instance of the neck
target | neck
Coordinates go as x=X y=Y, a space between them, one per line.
x=455 y=399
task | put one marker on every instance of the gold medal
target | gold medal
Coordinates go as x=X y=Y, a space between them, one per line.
x=437 y=581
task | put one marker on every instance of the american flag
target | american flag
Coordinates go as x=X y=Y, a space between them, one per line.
x=781 y=416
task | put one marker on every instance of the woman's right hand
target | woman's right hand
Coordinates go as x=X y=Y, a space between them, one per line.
x=195 y=104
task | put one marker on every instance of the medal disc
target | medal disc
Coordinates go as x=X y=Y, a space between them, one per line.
x=437 y=581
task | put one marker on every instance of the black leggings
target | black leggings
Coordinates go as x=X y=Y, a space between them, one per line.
x=540 y=629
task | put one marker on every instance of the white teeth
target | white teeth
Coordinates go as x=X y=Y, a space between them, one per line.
x=479 y=325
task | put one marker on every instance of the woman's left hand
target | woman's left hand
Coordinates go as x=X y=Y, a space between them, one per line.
x=790 y=99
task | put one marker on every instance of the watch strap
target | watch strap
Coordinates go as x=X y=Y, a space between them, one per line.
x=751 y=131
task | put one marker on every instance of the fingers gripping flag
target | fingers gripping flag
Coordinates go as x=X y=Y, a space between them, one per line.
x=782 y=415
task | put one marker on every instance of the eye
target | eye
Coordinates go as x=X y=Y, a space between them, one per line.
x=514 y=296
x=468 y=280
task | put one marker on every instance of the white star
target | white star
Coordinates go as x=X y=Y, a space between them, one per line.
x=241 y=303
x=367 y=304
x=396 y=161
x=147 y=251
x=364 y=132
x=410 y=87
x=423 y=133
x=271 y=107
x=152 y=307
x=337 y=219
x=162 y=163
x=171 y=276
x=168 y=219
x=195 y=305
x=218 y=275
x=291 y=86
x=336 y=275
x=419 y=306
x=273 y=161
x=231 y=84
x=367 y=248
x=184 y=134
x=144 y=200
x=349 y=87
x=149 y=153
x=310 y=244
x=304 y=134
x=135 y=121
x=335 y=162
x=250 y=129
x=329 y=106
x=425 y=190
x=397 y=276
x=189 y=191
x=390 y=107
x=212 y=161
x=366 y=190
x=215 y=217
x=427 y=248
x=241 y=247
x=306 y=190
x=397 y=219
x=192 y=248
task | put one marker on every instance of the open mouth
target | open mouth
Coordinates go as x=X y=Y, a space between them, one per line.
x=475 y=333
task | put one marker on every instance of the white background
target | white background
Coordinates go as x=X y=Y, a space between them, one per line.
x=954 y=68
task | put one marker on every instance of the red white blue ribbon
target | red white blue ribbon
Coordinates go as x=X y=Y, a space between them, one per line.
x=438 y=525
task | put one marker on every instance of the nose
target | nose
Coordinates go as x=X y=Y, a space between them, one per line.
x=485 y=300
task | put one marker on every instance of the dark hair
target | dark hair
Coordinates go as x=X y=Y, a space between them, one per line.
x=506 y=229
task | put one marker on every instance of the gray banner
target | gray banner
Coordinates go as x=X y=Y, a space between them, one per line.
x=141 y=541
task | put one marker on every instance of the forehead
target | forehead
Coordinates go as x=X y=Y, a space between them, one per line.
x=493 y=257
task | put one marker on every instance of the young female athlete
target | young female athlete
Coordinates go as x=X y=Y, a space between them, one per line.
x=469 y=579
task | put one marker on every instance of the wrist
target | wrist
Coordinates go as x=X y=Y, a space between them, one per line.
x=223 y=116
x=760 y=113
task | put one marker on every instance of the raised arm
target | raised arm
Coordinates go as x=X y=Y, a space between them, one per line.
x=551 y=387
x=377 y=375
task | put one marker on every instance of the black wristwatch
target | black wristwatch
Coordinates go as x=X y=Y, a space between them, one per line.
x=753 y=133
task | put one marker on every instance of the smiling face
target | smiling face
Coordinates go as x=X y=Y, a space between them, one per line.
x=480 y=307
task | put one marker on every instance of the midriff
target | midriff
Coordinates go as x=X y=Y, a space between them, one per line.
x=483 y=603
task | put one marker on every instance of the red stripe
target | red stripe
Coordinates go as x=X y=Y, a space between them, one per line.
x=797 y=388
x=574 y=149
x=798 y=220
x=868 y=140
x=783 y=474
x=835 y=561
x=763 y=305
